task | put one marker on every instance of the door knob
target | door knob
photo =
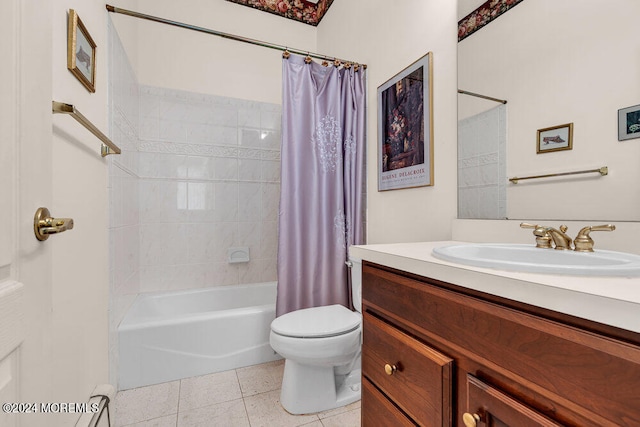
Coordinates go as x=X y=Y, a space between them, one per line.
x=44 y=224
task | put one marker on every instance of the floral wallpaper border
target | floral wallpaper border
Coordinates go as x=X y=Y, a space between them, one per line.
x=483 y=15
x=298 y=10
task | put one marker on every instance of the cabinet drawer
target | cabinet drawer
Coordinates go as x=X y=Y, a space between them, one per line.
x=377 y=410
x=421 y=381
x=495 y=408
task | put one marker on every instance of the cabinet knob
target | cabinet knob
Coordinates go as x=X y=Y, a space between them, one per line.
x=470 y=420
x=390 y=369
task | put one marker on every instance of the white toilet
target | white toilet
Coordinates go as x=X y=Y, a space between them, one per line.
x=321 y=346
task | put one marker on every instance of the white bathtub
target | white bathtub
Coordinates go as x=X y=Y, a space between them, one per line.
x=169 y=336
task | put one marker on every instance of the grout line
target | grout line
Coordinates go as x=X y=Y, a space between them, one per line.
x=178 y=405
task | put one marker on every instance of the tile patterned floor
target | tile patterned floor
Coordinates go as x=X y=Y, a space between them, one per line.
x=242 y=397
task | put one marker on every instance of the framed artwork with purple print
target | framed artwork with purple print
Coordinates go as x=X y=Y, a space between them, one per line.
x=555 y=138
x=81 y=52
x=405 y=127
x=629 y=123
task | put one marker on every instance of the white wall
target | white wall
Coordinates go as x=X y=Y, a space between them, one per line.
x=556 y=63
x=388 y=37
x=176 y=58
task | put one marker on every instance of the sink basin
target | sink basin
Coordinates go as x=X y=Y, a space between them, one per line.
x=528 y=258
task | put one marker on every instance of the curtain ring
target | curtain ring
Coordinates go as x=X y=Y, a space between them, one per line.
x=356 y=67
x=325 y=63
x=347 y=65
x=286 y=54
x=336 y=62
x=308 y=59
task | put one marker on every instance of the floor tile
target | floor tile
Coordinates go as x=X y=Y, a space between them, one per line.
x=168 y=421
x=264 y=410
x=261 y=378
x=336 y=411
x=146 y=403
x=227 y=414
x=209 y=389
x=243 y=397
x=345 y=419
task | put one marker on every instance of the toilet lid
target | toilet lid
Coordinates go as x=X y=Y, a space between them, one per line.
x=317 y=322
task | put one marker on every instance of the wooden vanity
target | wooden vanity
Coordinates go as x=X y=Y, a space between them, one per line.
x=437 y=353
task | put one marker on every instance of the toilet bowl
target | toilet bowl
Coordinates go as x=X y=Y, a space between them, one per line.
x=321 y=347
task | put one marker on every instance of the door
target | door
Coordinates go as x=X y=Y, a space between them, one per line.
x=25 y=176
x=488 y=406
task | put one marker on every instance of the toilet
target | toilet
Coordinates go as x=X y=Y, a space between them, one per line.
x=321 y=347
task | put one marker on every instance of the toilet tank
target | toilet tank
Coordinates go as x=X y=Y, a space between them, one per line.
x=356 y=283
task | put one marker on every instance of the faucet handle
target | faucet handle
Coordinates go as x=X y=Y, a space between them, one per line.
x=543 y=239
x=583 y=242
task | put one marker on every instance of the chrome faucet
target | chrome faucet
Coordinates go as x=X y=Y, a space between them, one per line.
x=583 y=243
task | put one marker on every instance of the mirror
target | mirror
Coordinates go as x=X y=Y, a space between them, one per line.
x=555 y=63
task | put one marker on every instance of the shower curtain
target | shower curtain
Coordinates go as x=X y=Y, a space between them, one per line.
x=321 y=196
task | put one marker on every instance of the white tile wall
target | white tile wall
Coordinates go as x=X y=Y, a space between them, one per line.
x=198 y=174
x=482 y=165
x=209 y=177
x=124 y=213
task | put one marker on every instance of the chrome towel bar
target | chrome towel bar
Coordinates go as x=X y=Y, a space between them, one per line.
x=602 y=171
x=108 y=147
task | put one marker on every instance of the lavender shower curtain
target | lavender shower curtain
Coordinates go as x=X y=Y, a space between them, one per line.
x=321 y=196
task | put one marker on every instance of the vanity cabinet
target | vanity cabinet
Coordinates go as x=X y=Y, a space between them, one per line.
x=438 y=354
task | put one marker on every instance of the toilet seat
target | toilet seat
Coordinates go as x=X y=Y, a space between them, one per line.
x=317 y=322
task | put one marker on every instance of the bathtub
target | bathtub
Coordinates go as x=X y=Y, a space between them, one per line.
x=173 y=335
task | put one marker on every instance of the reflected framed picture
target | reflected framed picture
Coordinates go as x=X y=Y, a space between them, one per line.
x=81 y=52
x=555 y=138
x=629 y=123
x=405 y=127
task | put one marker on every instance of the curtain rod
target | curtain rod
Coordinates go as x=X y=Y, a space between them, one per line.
x=114 y=9
x=464 y=92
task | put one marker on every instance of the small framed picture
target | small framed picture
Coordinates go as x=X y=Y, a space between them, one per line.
x=629 y=123
x=81 y=52
x=556 y=138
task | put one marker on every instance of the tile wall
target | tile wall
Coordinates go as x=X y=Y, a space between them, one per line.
x=124 y=196
x=198 y=174
x=209 y=181
x=482 y=165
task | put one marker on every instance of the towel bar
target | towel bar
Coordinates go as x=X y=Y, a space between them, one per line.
x=602 y=171
x=108 y=147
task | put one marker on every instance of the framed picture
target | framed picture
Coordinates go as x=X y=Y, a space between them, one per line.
x=556 y=138
x=81 y=52
x=405 y=127
x=629 y=123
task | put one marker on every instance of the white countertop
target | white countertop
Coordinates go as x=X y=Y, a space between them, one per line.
x=613 y=301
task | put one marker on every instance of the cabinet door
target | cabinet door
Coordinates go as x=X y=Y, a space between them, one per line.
x=488 y=406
